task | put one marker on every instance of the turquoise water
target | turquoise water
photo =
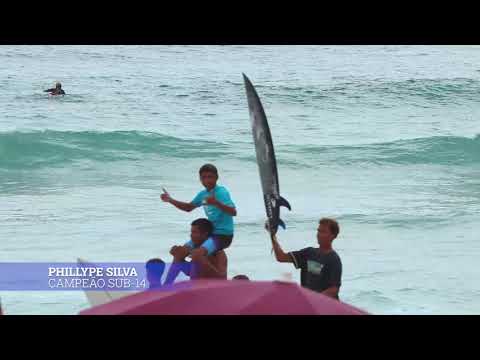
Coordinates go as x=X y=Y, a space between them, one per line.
x=384 y=138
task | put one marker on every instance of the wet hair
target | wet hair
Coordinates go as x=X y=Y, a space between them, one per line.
x=208 y=168
x=240 y=277
x=155 y=267
x=332 y=225
x=204 y=224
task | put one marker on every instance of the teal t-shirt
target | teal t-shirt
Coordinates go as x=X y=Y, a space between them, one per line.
x=222 y=222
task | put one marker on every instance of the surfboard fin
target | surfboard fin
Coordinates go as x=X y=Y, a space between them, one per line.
x=283 y=202
x=282 y=224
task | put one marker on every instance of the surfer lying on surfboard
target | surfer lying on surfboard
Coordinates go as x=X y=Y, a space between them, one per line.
x=218 y=207
x=201 y=266
x=57 y=90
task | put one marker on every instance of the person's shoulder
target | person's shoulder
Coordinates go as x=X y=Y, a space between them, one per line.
x=222 y=188
x=220 y=255
x=199 y=197
x=334 y=256
x=308 y=251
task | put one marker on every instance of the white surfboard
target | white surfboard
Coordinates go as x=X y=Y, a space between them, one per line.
x=104 y=296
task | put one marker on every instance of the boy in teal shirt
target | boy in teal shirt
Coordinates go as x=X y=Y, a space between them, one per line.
x=218 y=207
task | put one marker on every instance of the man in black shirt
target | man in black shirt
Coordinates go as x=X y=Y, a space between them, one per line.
x=321 y=268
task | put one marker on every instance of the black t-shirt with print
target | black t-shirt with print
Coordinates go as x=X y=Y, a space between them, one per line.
x=319 y=270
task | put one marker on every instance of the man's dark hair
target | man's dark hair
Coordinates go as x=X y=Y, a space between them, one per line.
x=204 y=224
x=155 y=267
x=208 y=168
x=332 y=225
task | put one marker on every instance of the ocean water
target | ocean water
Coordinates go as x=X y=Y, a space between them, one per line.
x=384 y=138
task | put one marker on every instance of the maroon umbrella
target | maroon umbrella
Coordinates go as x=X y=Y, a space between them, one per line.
x=226 y=297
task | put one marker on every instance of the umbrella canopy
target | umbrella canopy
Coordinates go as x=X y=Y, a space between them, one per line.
x=226 y=297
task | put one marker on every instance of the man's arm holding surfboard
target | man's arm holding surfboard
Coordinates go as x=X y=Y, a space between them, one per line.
x=178 y=204
x=280 y=255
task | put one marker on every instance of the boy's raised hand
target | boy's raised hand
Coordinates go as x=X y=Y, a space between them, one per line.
x=165 y=196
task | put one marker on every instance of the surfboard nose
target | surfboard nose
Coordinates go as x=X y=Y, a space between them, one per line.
x=248 y=83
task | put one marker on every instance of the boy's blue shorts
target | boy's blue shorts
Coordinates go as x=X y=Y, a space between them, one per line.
x=214 y=243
